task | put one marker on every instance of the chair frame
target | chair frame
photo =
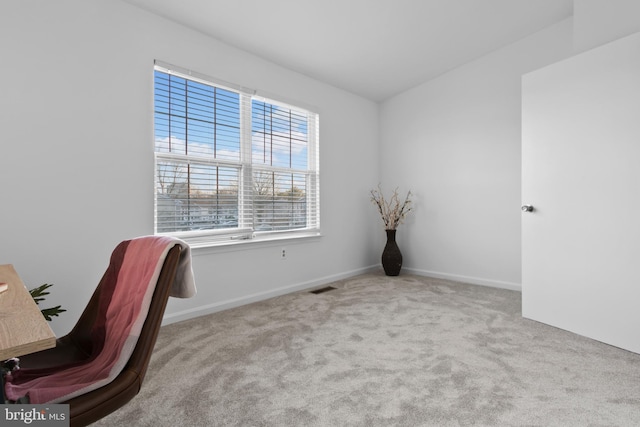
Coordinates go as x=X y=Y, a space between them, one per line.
x=96 y=404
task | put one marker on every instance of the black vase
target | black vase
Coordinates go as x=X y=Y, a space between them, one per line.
x=391 y=256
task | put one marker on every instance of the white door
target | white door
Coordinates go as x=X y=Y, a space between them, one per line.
x=581 y=174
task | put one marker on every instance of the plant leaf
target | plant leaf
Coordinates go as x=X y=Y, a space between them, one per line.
x=38 y=293
x=53 y=311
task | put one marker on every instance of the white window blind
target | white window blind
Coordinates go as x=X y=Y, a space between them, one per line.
x=230 y=164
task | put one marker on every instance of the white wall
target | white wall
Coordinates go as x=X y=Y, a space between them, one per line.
x=455 y=142
x=76 y=156
x=597 y=22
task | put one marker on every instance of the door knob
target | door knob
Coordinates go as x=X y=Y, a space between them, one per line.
x=527 y=208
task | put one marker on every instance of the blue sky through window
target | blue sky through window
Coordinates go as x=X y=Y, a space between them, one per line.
x=202 y=120
x=196 y=119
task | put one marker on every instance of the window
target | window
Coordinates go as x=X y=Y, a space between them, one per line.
x=231 y=164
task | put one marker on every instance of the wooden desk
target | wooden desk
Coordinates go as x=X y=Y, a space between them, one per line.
x=23 y=328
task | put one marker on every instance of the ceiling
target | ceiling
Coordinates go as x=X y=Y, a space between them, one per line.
x=373 y=48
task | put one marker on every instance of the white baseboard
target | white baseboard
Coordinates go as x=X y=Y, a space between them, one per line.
x=466 y=279
x=237 y=302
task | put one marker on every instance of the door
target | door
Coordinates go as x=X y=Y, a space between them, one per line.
x=581 y=174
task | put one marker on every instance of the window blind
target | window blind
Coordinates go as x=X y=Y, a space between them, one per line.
x=231 y=165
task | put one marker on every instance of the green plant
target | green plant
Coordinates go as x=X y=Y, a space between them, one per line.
x=38 y=295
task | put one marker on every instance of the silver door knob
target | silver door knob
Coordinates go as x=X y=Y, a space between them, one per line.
x=527 y=208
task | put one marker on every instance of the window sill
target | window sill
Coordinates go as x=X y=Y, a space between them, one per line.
x=257 y=240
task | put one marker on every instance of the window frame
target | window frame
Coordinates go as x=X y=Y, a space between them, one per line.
x=246 y=208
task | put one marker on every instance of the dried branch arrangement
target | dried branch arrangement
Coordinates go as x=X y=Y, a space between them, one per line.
x=392 y=211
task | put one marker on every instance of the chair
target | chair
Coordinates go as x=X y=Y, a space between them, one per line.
x=76 y=347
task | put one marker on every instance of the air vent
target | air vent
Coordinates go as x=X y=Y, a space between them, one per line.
x=322 y=290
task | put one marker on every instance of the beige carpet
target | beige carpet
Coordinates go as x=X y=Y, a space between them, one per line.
x=383 y=351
